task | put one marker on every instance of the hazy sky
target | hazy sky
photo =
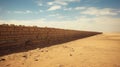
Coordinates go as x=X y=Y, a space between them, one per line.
x=91 y=15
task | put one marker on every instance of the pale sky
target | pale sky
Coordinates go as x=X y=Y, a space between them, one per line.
x=88 y=15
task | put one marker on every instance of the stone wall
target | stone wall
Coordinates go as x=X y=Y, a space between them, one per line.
x=19 y=35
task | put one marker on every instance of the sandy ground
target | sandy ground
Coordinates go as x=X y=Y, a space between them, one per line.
x=97 y=51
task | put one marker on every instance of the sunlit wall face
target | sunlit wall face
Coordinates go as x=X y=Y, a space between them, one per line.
x=92 y=15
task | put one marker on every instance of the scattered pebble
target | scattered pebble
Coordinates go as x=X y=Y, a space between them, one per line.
x=25 y=56
x=65 y=46
x=42 y=50
x=46 y=50
x=70 y=54
x=8 y=65
x=36 y=59
x=22 y=63
x=2 y=59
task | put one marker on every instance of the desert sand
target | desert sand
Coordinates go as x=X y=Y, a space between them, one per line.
x=101 y=50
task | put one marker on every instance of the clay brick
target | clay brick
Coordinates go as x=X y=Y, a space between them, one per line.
x=42 y=35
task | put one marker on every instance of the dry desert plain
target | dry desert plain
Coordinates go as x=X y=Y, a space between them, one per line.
x=102 y=50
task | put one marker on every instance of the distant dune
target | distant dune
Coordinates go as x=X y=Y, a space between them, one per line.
x=97 y=51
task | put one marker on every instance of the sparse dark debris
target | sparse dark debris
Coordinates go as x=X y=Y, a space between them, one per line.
x=42 y=50
x=46 y=50
x=70 y=54
x=8 y=65
x=22 y=63
x=25 y=56
x=65 y=46
x=2 y=59
x=36 y=59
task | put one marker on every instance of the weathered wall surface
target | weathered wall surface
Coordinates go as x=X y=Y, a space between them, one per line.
x=18 y=35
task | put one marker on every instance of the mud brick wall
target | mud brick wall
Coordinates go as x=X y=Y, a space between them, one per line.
x=18 y=35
